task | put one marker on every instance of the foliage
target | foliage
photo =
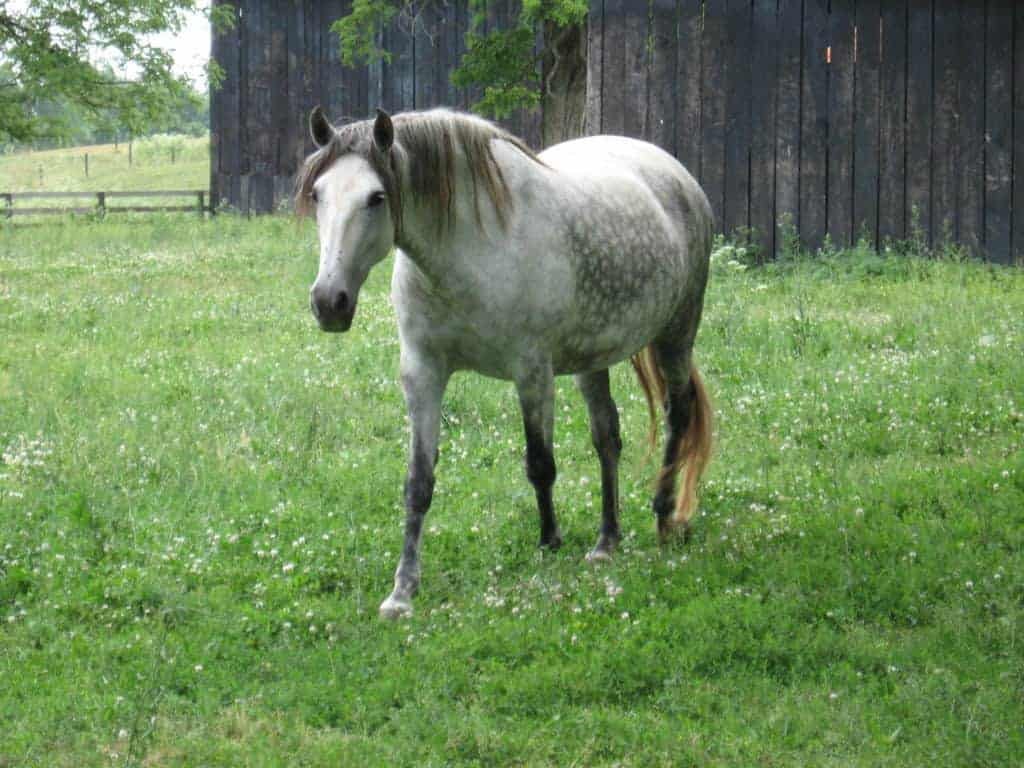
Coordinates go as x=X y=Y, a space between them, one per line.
x=357 y=31
x=503 y=63
x=95 y=56
x=200 y=509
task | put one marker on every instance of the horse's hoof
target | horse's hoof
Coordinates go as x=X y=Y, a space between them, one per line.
x=552 y=542
x=395 y=608
x=599 y=555
x=669 y=531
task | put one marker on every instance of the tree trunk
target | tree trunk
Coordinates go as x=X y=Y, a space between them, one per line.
x=564 y=86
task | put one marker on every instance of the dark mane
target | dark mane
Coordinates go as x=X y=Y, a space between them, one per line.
x=426 y=147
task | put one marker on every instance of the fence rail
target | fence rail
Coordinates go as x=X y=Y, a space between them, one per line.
x=101 y=207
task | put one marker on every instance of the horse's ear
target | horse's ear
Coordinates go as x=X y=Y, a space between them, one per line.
x=383 y=131
x=320 y=127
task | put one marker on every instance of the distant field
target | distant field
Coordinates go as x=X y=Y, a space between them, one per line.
x=63 y=170
x=200 y=511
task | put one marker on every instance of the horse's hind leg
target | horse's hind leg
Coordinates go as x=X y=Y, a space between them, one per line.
x=680 y=396
x=536 y=388
x=604 y=431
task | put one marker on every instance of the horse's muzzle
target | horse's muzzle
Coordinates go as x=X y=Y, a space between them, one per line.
x=333 y=311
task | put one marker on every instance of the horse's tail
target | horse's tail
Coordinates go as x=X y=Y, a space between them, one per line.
x=694 y=448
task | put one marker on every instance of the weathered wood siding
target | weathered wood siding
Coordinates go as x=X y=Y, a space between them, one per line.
x=842 y=119
x=281 y=59
x=845 y=119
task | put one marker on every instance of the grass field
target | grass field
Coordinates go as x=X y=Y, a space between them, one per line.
x=152 y=168
x=200 y=511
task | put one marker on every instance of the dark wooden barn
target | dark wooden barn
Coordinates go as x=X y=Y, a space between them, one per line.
x=843 y=119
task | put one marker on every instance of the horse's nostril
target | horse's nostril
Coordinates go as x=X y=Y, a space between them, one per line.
x=341 y=302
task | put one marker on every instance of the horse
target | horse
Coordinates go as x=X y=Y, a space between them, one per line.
x=522 y=267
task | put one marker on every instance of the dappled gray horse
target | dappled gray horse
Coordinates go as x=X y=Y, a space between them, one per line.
x=522 y=267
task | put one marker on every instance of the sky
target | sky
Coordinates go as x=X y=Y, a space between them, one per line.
x=190 y=48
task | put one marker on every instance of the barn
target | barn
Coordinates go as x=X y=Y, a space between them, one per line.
x=834 y=120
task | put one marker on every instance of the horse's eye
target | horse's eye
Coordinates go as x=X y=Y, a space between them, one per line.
x=375 y=199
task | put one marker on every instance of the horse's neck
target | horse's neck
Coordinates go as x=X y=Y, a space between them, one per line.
x=443 y=250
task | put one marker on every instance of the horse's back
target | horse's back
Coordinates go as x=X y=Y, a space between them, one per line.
x=598 y=162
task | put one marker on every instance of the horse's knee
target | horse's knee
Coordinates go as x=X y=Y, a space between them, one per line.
x=540 y=464
x=419 y=487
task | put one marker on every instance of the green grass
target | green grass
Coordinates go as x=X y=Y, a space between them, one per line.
x=200 y=510
x=63 y=170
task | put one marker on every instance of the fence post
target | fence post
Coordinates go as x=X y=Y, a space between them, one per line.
x=8 y=204
x=87 y=165
x=101 y=203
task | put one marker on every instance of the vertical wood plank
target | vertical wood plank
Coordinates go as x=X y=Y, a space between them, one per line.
x=841 y=112
x=298 y=100
x=399 y=73
x=971 y=127
x=450 y=47
x=595 y=67
x=217 y=56
x=661 y=125
x=332 y=76
x=713 y=107
x=865 y=131
x=787 y=121
x=228 y=105
x=461 y=27
x=689 y=85
x=375 y=77
x=814 y=126
x=945 y=144
x=424 y=59
x=280 y=117
x=998 y=130
x=359 y=83
x=635 y=84
x=531 y=126
x=613 y=120
x=920 y=113
x=764 y=81
x=737 y=75
x=892 y=145
x=1017 y=193
x=311 y=51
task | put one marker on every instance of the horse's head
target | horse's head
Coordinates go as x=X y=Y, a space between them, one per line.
x=350 y=186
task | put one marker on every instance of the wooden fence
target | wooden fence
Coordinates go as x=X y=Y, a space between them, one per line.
x=101 y=206
x=848 y=118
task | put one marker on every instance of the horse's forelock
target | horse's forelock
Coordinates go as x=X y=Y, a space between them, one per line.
x=349 y=138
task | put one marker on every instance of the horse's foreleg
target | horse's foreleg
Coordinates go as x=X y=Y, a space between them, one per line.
x=423 y=383
x=604 y=431
x=536 y=388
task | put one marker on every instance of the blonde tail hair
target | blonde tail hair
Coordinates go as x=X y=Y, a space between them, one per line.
x=694 y=449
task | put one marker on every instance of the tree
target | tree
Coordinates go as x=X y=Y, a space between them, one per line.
x=504 y=62
x=69 y=51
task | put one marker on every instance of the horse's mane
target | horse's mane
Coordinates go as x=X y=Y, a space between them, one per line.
x=427 y=145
